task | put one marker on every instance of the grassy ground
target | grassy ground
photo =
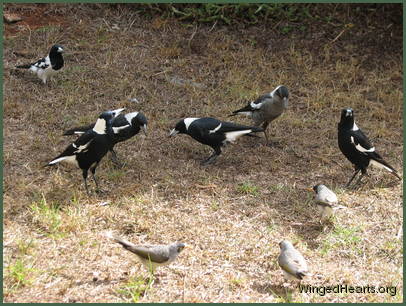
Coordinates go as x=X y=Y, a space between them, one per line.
x=232 y=214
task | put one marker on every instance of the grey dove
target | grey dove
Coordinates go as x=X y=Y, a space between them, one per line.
x=266 y=108
x=152 y=256
x=326 y=201
x=293 y=264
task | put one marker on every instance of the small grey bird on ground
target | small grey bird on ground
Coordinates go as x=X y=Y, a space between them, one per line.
x=47 y=66
x=152 y=256
x=326 y=201
x=266 y=108
x=293 y=264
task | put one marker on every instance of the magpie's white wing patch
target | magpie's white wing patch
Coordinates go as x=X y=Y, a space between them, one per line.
x=256 y=105
x=215 y=129
x=361 y=148
x=81 y=148
x=116 y=130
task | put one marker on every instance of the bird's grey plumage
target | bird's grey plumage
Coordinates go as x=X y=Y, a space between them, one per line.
x=293 y=264
x=152 y=256
x=266 y=108
x=326 y=201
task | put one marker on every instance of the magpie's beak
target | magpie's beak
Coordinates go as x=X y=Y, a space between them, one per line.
x=348 y=113
x=116 y=112
x=285 y=101
x=173 y=133
x=144 y=129
x=60 y=50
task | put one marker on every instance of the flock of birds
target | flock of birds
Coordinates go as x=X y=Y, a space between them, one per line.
x=112 y=127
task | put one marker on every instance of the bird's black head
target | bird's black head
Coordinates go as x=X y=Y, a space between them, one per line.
x=347 y=116
x=282 y=92
x=180 y=128
x=315 y=188
x=56 y=49
x=140 y=120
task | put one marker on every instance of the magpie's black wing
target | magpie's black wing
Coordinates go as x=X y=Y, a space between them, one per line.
x=79 y=130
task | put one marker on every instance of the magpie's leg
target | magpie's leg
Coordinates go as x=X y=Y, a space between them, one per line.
x=355 y=173
x=84 y=174
x=363 y=173
x=93 y=171
x=213 y=157
x=114 y=158
x=264 y=126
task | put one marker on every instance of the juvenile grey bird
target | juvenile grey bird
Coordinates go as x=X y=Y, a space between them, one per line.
x=152 y=256
x=266 y=108
x=326 y=201
x=47 y=66
x=293 y=264
x=357 y=148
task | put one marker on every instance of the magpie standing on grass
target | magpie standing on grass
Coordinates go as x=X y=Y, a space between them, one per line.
x=266 y=108
x=213 y=132
x=88 y=150
x=124 y=127
x=47 y=66
x=355 y=145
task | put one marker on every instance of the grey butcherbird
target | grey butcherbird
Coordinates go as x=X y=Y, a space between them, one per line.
x=151 y=256
x=326 y=201
x=292 y=263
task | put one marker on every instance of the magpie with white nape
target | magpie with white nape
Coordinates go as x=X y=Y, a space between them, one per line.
x=213 y=132
x=124 y=127
x=355 y=145
x=88 y=150
x=266 y=108
x=47 y=66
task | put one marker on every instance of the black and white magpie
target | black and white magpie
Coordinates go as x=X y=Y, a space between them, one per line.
x=213 y=132
x=88 y=150
x=266 y=108
x=47 y=66
x=124 y=127
x=355 y=145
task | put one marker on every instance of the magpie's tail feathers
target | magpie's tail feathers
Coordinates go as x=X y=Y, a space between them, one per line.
x=78 y=130
x=26 y=66
x=381 y=163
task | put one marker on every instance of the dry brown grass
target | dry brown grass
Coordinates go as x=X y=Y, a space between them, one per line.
x=232 y=214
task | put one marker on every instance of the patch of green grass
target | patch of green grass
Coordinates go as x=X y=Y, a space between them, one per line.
x=25 y=246
x=19 y=274
x=342 y=237
x=248 y=188
x=135 y=288
x=47 y=216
